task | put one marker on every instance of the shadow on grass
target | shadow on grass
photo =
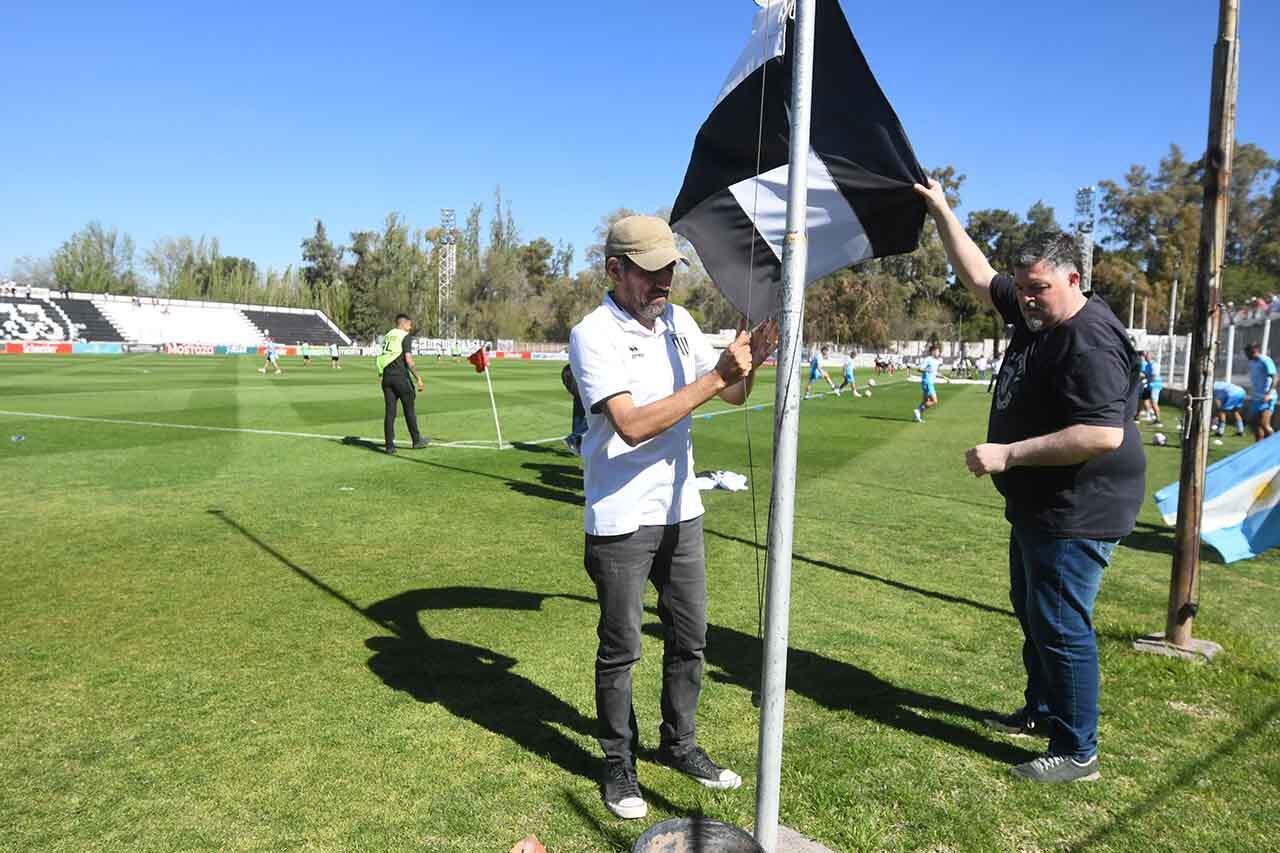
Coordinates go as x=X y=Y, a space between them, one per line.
x=840 y=686
x=469 y=681
x=1099 y=837
x=905 y=587
x=610 y=835
x=533 y=490
x=1158 y=539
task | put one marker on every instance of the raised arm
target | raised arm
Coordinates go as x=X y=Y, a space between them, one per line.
x=971 y=265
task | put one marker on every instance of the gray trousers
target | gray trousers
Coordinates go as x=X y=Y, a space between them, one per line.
x=670 y=556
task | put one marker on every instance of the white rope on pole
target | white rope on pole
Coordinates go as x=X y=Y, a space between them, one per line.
x=1231 y=351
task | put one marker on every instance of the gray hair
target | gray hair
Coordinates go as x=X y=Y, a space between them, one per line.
x=1054 y=249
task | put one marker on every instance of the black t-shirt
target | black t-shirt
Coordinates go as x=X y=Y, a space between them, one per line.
x=1082 y=371
x=398 y=370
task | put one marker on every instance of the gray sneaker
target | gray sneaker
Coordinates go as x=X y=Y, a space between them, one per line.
x=696 y=763
x=620 y=791
x=1058 y=768
x=1021 y=723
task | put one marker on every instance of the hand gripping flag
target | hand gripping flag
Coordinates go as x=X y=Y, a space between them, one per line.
x=479 y=358
x=861 y=166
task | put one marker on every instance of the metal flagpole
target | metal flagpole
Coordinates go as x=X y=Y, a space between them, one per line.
x=494 y=405
x=786 y=428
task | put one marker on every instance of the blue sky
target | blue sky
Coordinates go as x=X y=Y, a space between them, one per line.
x=230 y=121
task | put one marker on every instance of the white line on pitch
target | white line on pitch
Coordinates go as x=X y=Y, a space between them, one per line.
x=452 y=445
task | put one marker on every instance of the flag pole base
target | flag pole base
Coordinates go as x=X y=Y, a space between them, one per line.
x=790 y=841
x=1198 y=651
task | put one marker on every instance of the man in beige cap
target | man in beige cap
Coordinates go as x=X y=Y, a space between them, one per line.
x=642 y=366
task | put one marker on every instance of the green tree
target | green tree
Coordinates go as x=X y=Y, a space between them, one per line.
x=96 y=260
x=321 y=263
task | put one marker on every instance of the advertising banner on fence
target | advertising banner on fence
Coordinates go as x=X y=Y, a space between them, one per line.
x=97 y=349
x=141 y=347
x=38 y=348
x=190 y=349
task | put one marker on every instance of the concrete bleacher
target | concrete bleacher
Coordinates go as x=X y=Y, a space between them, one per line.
x=288 y=327
x=37 y=315
x=37 y=318
x=149 y=322
x=91 y=324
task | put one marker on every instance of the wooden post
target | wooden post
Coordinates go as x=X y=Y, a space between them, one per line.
x=1217 y=183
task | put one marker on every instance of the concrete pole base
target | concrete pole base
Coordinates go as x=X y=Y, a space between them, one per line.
x=1199 y=651
x=790 y=841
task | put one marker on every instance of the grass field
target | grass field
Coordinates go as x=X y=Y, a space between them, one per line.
x=236 y=640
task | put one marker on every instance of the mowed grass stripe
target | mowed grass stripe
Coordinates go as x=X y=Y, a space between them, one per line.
x=188 y=664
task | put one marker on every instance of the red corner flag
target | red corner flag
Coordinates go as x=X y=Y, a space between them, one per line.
x=480 y=359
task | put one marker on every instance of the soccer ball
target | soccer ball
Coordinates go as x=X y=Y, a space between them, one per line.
x=1159 y=439
x=867 y=392
x=871 y=382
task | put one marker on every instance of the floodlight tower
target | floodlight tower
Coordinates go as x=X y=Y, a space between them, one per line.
x=447 y=262
x=1084 y=236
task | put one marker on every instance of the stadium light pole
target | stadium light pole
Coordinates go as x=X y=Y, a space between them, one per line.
x=786 y=435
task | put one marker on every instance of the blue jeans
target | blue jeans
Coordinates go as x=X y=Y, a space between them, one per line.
x=1052 y=586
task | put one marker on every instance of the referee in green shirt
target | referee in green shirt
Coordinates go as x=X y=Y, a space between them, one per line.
x=395 y=366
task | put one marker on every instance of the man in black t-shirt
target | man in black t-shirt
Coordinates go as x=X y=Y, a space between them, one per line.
x=1064 y=452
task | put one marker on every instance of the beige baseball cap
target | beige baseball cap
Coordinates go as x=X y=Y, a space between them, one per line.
x=646 y=240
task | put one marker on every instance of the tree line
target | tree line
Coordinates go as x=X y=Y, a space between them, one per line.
x=506 y=287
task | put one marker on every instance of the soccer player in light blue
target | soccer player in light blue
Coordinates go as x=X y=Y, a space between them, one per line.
x=1227 y=397
x=928 y=376
x=815 y=371
x=1152 y=385
x=1262 y=378
x=273 y=357
x=849 y=381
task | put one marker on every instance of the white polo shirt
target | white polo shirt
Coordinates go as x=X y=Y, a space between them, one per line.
x=610 y=352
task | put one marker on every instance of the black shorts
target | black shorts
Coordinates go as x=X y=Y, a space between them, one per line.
x=333 y=358
x=1146 y=393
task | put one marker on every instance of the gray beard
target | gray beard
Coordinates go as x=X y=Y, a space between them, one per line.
x=651 y=310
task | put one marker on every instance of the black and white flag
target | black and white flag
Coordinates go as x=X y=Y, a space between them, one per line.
x=861 y=166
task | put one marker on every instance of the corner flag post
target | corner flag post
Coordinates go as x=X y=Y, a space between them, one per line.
x=492 y=404
x=480 y=361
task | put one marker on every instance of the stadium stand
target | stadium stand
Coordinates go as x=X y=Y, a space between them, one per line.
x=176 y=322
x=86 y=317
x=32 y=318
x=38 y=315
x=288 y=327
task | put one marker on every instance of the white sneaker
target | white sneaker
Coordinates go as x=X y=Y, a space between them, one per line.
x=918 y=417
x=837 y=390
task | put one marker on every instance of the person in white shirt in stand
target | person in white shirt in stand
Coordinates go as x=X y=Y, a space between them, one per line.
x=642 y=366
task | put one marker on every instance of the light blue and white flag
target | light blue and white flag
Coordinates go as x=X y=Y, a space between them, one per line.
x=1241 y=502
